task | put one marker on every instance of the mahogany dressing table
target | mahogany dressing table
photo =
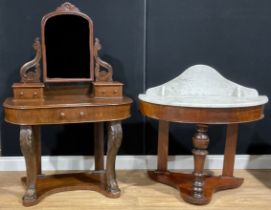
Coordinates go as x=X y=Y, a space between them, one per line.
x=77 y=87
x=201 y=96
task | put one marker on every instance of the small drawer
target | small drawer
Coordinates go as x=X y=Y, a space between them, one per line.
x=28 y=90
x=108 y=90
x=28 y=93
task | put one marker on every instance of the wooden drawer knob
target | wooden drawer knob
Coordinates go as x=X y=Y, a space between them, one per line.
x=82 y=114
x=62 y=114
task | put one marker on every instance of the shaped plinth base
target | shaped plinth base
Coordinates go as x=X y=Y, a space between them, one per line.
x=49 y=184
x=183 y=182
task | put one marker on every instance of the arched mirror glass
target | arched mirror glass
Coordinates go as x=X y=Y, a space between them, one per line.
x=68 y=44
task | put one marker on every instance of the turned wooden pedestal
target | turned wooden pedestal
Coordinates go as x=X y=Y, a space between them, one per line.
x=198 y=187
x=62 y=109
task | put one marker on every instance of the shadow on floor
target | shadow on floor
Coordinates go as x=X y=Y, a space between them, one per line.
x=264 y=178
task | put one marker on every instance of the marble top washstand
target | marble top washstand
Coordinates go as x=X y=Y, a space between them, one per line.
x=202 y=96
x=203 y=86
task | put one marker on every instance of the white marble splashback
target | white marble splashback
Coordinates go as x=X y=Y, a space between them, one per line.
x=203 y=86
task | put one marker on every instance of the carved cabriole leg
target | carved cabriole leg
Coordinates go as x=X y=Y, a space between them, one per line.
x=29 y=151
x=200 y=142
x=230 y=150
x=99 y=145
x=114 y=142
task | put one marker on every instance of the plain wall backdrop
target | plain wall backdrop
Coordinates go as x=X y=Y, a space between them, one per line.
x=149 y=42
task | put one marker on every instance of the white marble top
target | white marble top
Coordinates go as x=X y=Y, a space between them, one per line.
x=203 y=86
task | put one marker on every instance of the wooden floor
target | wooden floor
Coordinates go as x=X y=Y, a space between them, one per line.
x=139 y=192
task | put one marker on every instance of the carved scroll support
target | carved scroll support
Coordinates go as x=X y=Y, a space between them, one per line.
x=114 y=142
x=103 y=70
x=200 y=142
x=29 y=147
x=30 y=71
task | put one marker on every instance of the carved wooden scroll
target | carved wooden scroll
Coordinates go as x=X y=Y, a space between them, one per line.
x=67 y=7
x=30 y=71
x=106 y=73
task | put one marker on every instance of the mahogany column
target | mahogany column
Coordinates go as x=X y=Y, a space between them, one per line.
x=162 y=156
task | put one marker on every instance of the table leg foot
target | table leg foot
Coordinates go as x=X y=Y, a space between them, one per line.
x=184 y=183
x=29 y=197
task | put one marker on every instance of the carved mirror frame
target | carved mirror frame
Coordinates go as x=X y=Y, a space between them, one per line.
x=67 y=9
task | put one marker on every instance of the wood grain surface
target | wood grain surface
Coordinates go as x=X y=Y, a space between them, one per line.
x=201 y=115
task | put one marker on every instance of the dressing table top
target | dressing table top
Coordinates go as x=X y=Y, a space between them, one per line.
x=66 y=105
